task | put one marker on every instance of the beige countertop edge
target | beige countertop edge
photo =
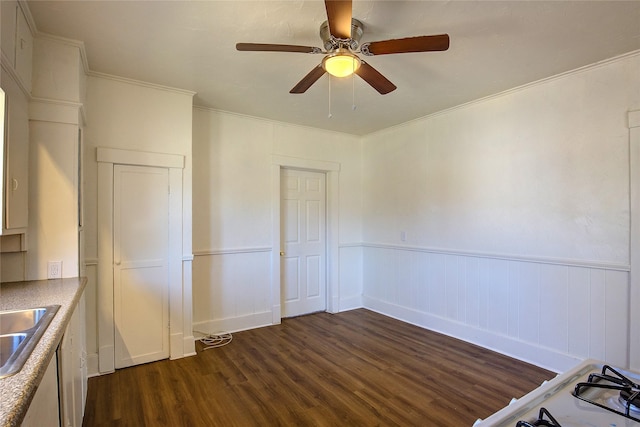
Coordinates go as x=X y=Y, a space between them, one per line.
x=17 y=391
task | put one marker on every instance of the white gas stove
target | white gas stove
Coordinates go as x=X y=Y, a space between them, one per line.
x=592 y=394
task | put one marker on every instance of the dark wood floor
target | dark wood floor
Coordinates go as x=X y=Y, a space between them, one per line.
x=356 y=368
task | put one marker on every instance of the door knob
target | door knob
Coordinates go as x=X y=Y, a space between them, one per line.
x=281 y=253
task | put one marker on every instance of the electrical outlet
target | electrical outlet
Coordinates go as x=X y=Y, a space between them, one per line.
x=54 y=270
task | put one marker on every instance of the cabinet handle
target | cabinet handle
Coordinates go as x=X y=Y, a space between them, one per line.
x=23 y=42
x=14 y=185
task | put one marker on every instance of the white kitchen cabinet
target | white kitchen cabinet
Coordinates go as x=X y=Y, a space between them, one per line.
x=61 y=395
x=43 y=410
x=8 y=30
x=17 y=42
x=15 y=192
x=72 y=371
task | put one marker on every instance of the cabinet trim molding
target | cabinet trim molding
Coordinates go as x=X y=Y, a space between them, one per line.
x=56 y=111
x=139 y=158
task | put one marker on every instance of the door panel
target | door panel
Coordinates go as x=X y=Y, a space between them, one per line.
x=141 y=285
x=291 y=272
x=314 y=263
x=304 y=228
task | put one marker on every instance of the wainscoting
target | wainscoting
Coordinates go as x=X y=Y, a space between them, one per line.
x=550 y=313
x=547 y=312
x=232 y=287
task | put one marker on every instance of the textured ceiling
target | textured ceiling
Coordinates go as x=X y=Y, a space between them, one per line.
x=190 y=45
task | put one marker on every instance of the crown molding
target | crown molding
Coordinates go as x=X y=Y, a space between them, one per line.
x=140 y=83
x=516 y=89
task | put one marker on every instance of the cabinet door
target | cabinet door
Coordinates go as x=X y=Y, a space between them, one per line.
x=17 y=157
x=43 y=410
x=72 y=373
x=8 y=29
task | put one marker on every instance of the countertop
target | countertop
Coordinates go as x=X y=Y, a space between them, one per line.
x=16 y=391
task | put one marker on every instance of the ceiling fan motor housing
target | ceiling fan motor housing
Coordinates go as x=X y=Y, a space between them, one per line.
x=332 y=43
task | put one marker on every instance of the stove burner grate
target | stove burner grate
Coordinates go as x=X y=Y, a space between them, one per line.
x=630 y=399
x=629 y=391
x=541 y=422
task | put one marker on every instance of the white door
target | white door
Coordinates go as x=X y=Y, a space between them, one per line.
x=140 y=258
x=304 y=239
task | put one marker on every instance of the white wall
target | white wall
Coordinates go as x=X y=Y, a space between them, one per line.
x=55 y=118
x=232 y=214
x=53 y=199
x=131 y=115
x=516 y=214
x=515 y=209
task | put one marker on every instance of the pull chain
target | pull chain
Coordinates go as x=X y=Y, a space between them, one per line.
x=329 y=80
x=353 y=88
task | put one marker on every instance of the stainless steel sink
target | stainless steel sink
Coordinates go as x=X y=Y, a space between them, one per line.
x=20 y=320
x=20 y=331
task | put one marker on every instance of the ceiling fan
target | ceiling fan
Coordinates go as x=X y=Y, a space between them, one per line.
x=341 y=35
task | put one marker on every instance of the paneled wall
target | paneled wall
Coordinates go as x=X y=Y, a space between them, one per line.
x=233 y=289
x=505 y=222
x=233 y=217
x=548 y=314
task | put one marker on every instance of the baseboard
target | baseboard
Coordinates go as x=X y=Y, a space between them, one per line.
x=92 y=365
x=176 y=347
x=527 y=352
x=106 y=360
x=233 y=324
x=189 y=345
x=350 y=303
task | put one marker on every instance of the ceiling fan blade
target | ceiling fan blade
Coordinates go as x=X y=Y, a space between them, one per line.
x=308 y=80
x=339 y=18
x=375 y=79
x=267 y=47
x=407 y=45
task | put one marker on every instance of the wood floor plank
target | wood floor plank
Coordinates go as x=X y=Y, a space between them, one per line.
x=353 y=368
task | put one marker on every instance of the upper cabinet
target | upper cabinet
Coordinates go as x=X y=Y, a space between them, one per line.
x=16 y=158
x=15 y=79
x=8 y=30
x=17 y=41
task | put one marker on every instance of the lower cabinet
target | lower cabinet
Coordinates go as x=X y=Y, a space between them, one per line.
x=60 y=398
x=43 y=411
x=72 y=371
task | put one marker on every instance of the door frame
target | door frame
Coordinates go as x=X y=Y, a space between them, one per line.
x=107 y=158
x=332 y=172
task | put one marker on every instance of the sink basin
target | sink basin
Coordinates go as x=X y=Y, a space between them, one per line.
x=20 y=320
x=20 y=331
x=9 y=343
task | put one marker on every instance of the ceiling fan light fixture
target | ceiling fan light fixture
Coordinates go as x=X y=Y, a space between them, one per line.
x=341 y=63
